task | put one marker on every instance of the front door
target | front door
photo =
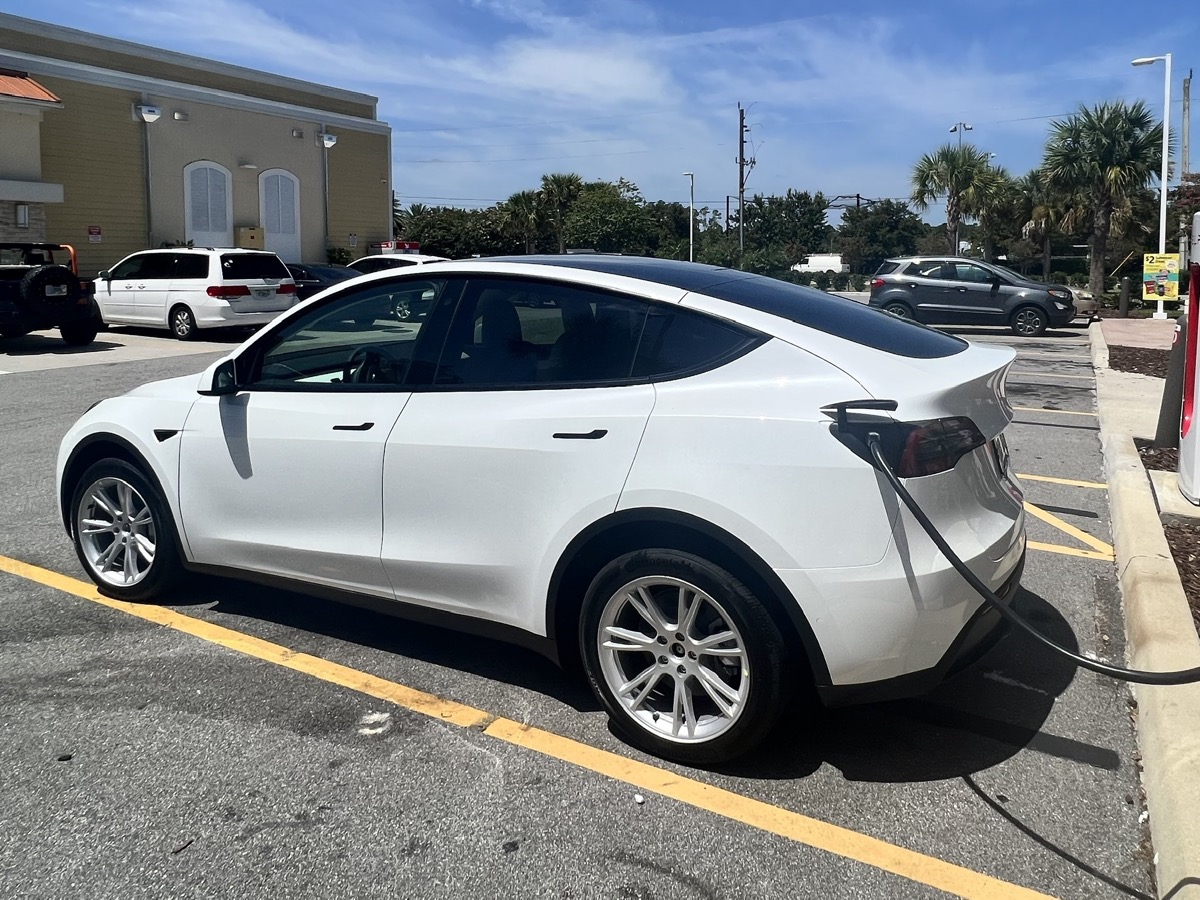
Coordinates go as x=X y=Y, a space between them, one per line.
x=972 y=294
x=279 y=199
x=285 y=477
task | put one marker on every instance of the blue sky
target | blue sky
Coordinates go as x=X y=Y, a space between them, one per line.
x=486 y=95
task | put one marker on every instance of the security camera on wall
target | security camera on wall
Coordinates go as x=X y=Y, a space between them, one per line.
x=147 y=113
x=327 y=140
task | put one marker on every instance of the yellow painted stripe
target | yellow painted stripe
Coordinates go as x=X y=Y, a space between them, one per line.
x=1067 y=528
x=918 y=867
x=1069 y=551
x=1071 y=482
x=1053 y=375
x=843 y=842
x=1059 y=412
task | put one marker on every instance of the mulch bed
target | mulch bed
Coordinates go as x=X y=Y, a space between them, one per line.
x=1142 y=360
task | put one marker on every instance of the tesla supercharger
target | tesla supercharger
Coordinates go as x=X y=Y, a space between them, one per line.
x=1189 y=430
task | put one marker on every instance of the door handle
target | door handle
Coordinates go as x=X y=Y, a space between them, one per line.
x=594 y=435
x=365 y=426
x=962 y=290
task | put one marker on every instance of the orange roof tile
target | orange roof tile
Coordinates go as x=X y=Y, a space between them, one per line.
x=23 y=87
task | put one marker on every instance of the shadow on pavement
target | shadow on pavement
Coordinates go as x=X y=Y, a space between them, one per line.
x=50 y=342
x=1069 y=331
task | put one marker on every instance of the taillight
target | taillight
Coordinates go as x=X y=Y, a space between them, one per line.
x=227 y=291
x=937 y=446
x=286 y=287
x=912 y=449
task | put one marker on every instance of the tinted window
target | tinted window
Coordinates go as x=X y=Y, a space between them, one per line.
x=379 y=263
x=156 y=265
x=246 y=266
x=521 y=333
x=191 y=265
x=130 y=267
x=676 y=341
x=888 y=267
x=331 y=273
x=838 y=316
x=354 y=342
x=930 y=268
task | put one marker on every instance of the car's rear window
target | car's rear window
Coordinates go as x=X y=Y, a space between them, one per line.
x=241 y=266
x=838 y=316
x=889 y=266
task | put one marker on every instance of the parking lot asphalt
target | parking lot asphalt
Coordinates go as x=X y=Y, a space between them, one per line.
x=250 y=741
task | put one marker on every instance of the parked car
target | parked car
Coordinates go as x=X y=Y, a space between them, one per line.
x=193 y=288
x=658 y=471
x=379 y=262
x=40 y=288
x=1087 y=307
x=948 y=290
x=313 y=277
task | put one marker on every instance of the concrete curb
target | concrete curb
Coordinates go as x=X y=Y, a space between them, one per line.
x=1161 y=637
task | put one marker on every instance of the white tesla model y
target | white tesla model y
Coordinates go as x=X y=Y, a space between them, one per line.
x=654 y=468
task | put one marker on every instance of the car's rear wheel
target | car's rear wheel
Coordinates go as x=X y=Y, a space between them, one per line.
x=183 y=323
x=78 y=334
x=685 y=659
x=13 y=332
x=898 y=309
x=1028 y=321
x=123 y=531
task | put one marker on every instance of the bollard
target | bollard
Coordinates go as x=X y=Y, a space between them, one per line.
x=1171 y=408
x=1123 y=309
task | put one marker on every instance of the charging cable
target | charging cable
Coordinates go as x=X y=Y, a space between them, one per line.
x=1136 y=676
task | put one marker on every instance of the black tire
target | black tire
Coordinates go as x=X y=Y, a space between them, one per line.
x=78 y=334
x=898 y=309
x=164 y=570
x=728 y=607
x=1028 y=321
x=182 y=322
x=50 y=289
x=13 y=332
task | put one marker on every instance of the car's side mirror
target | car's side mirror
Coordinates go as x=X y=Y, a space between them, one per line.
x=219 y=380
x=105 y=275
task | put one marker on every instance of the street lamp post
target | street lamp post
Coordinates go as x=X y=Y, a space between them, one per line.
x=960 y=127
x=691 y=216
x=1166 y=158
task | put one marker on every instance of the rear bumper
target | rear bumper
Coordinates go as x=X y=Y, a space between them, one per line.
x=221 y=314
x=980 y=633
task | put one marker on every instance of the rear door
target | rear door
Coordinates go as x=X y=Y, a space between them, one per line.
x=924 y=281
x=189 y=281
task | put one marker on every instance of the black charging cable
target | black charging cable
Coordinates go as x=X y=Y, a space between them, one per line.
x=1136 y=676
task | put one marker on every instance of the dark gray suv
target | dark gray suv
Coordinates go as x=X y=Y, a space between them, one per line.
x=952 y=290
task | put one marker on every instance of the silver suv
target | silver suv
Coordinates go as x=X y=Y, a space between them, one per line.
x=952 y=290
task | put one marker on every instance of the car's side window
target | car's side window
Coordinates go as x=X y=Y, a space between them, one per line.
x=156 y=265
x=929 y=268
x=520 y=333
x=353 y=342
x=972 y=273
x=678 y=341
x=191 y=265
x=130 y=268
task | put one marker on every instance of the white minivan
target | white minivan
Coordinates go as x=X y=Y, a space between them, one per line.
x=189 y=288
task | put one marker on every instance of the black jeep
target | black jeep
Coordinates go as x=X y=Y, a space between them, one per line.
x=40 y=288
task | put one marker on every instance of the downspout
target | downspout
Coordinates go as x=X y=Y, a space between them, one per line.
x=149 y=180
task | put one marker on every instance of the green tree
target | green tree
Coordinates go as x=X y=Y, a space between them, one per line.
x=1104 y=154
x=608 y=217
x=995 y=209
x=870 y=234
x=559 y=191
x=795 y=223
x=1183 y=202
x=961 y=175
x=521 y=214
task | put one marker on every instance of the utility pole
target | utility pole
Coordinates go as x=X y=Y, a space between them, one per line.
x=727 y=214
x=1187 y=122
x=741 y=178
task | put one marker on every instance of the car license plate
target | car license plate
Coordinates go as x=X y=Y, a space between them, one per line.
x=263 y=293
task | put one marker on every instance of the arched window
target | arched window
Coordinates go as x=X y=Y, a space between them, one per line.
x=208 y=204
x=279 y=211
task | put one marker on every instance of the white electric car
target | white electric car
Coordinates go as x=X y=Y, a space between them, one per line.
x=654 y=468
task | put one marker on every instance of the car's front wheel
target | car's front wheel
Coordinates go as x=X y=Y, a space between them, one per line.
x=123 y=531
x=1028 y=321
x=685 y=659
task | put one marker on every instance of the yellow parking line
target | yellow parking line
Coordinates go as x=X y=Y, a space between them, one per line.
x=918 y=867
x=1060 y=412
x=1067 y=528
x=1069 y=551
x=1071 y=482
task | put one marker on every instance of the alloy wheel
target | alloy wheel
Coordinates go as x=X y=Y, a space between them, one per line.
x=1028 y=322
x=673 y=658
x=116 y=532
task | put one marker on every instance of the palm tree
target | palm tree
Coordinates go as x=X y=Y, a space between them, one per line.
x=521 y=214
x=1105 y=154
x=960 y=174
x=1045 y=212
x=559 y=191
x=993 y=205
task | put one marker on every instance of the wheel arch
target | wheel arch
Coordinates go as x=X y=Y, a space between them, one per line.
x=634 y=529
x=91 y=450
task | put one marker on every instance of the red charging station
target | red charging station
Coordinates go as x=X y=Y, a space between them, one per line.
x=1189 y=430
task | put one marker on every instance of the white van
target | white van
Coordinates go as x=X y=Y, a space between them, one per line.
x=822 y=262
x=189 y=288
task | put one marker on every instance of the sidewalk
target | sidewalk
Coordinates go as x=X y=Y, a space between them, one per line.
x=1161 y=634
